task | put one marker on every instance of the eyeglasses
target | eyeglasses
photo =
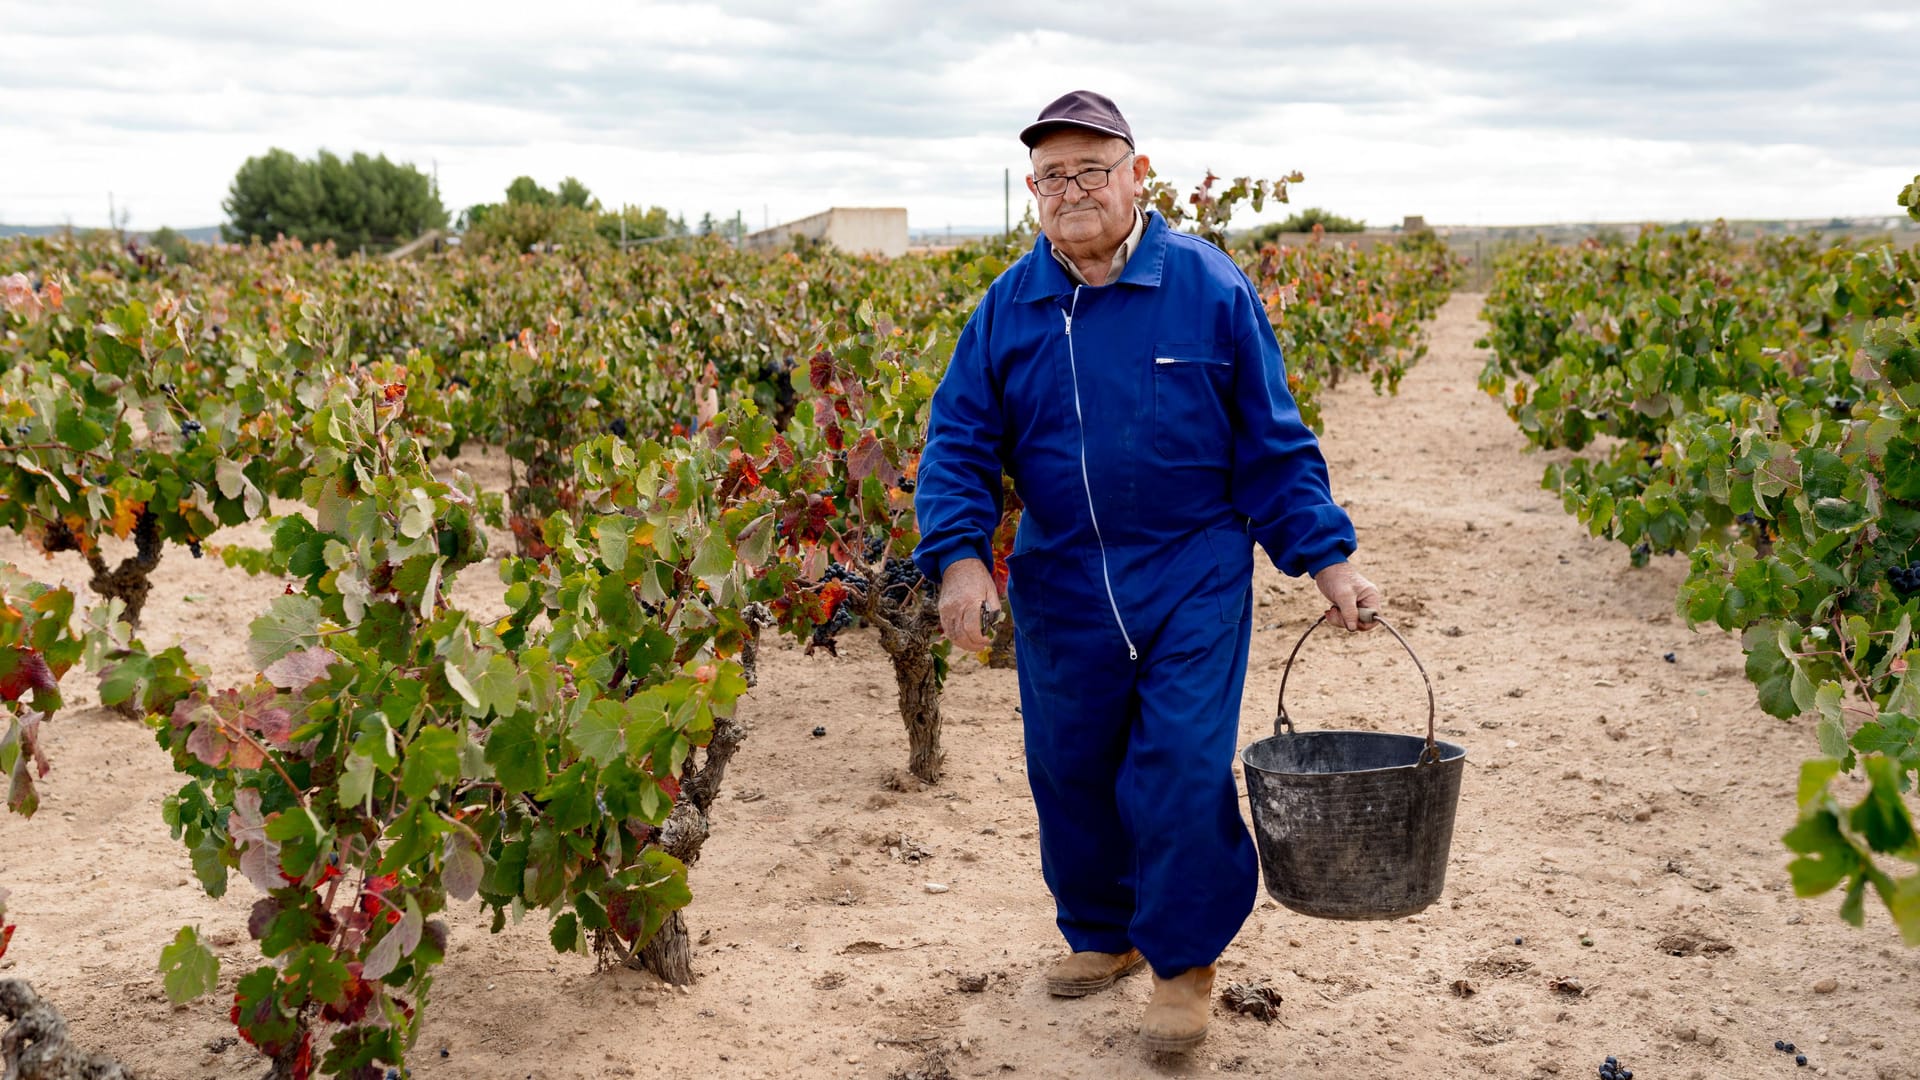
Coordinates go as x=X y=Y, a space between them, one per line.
x=1091 y=180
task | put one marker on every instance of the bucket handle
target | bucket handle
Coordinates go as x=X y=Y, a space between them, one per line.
x=1283 y=724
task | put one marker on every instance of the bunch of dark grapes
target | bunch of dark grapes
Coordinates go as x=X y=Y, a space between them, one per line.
x=898 y=581
x=844 y=574
x=1611 y=1069
x=1904 y=579
x=902 y=578
x=827 y=634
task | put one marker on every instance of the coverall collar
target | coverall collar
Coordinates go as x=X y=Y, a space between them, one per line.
x=1044 y=280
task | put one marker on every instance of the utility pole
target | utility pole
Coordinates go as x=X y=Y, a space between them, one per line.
x=739 y=230
x=623 y=228
x=1006 y=224
x=113 y=219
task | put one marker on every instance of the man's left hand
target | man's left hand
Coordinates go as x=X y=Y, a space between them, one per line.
x=1348 y=592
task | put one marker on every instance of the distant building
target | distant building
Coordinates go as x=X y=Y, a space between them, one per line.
x=857 y=230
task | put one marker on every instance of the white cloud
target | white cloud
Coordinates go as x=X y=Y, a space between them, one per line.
x=1494 y=111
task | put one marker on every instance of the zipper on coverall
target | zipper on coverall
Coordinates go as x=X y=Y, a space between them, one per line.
x=1106 y=576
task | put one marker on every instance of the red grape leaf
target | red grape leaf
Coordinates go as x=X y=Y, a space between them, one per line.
x=259 y=856
x=23 y=669
x=297 y=670
x=870 y=457
x=820 y=370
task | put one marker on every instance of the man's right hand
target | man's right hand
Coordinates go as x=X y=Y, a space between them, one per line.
x=965 y=590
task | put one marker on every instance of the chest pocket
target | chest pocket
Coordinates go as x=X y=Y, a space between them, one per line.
x=1191 y=383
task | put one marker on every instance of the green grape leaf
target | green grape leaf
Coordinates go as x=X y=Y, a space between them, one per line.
x=122 y=680
x=599 y=732
x=756 y=541
x=315 y=967
x=1826 y=858
x=187 y=967
x=291 y=623
x=517 y=754
x=1893 y=734
x=207 y=865
x=1770 y=671
x=356 y=780
x=1903 y=903
x=1901 y=470
x=1853 y=906
x=1839 y=515
x=615 y=535
x=498 y=688
x=1882 y=818
x=714 y=558
x=79 y=433
x=546 y=871
x=570 y=797
x=566 y=934
x=432 y=759
x=1833 y=736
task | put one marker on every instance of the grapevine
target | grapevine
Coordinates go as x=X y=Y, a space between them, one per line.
x=1761 y=401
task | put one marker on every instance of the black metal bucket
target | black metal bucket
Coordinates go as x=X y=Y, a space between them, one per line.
x=1353 y=824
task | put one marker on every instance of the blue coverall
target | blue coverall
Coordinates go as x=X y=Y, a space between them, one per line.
x=1148 y=428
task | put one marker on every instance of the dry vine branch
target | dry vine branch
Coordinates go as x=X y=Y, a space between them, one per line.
x=129 y=581
x=908 y=634
x=35 y=1046
x=669 y=953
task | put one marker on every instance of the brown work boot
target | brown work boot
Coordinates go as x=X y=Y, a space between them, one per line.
x=1086 y=973
x=1176 y=1018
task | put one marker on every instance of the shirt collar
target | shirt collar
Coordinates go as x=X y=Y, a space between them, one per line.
x=1120 y=257
x=1043 y=279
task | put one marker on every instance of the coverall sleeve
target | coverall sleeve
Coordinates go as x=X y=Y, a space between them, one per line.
x=958 y=490
x=1279 y=476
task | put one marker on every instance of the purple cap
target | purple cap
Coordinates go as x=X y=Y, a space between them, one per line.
x=1080 y=109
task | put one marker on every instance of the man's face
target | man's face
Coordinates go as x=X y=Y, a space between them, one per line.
x=1086 y=217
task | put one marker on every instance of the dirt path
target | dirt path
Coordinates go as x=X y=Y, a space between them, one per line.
x=1611 y=794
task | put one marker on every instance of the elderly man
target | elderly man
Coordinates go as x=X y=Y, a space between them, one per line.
x=1125 y=376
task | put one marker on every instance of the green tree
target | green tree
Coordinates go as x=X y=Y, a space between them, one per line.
x=1303 y=221
x=352 y=202
x=641 y=224
x=526 y=191
x=568 y=216
x=518 y=227
x=177 y=248
x=575 y=194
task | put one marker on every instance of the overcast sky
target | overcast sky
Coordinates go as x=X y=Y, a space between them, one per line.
x=1484 y=112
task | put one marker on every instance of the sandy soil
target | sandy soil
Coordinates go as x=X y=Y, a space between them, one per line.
x=1610 y=794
